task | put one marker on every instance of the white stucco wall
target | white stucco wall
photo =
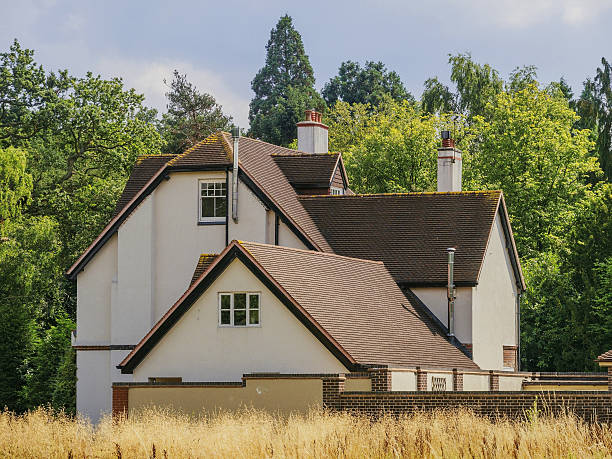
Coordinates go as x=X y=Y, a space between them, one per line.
x=197 y=349
x=287 y=238
x=475 y=382
x=403 y=380
x=93 y=384
x=494 y=304
x=511 y=382
x=436 y=301
x=94 y=286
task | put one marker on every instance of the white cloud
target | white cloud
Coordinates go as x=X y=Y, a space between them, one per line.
x=525 y=13
x=147 y=77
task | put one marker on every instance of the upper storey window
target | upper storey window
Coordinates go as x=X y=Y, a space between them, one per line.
x=334 y=190
x=213 y=201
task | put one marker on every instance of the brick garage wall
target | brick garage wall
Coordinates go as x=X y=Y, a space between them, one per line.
x=120 y=400
x=610 y=379
x=587 y=405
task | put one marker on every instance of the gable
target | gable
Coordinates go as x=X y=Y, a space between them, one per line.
x=197 y=349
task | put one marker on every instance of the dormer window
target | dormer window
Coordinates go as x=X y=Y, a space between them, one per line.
x=213 y=201
x=336 y=191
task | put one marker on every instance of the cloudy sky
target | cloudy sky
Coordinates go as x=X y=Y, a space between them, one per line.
x=221 y=45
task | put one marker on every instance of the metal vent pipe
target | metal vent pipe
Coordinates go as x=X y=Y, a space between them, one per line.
x=451 y=292
x=236 y=139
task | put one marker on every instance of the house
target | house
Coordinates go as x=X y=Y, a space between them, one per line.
x=330 y=282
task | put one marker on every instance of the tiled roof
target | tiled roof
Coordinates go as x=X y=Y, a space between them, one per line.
x=144 y=168
x=307 y=169
x=605 y=357
x=256 y=160
x=360 y=305
x=410 y=232
x=355 y=303
x=214 y=150
x=204 y=262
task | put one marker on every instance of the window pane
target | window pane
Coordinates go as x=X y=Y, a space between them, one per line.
x=239 y=300
x=225 y=317
x=225 y=301
x=254 y=316
x=207 y=207
x=254 y=301
x=239 y=317
x=220 y=205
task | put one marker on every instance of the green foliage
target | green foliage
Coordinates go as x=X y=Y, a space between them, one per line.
x=392 y=149
x=368 y=85
x=283 y=87
x=525 y=144
x=28 y=264
x=595 y=110
x=191 y=117
x=15 y=183
x=51 y=377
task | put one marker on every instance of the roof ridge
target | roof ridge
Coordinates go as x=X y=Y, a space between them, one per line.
x=289 y=150
x=207 y=141
x=412 y=193
x=301 y=154
x=312 y=252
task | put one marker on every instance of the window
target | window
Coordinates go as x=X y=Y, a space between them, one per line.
x=335 y=191
x=239 y=309
x=213 y=202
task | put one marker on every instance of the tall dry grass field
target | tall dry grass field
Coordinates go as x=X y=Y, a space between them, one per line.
x=250 y=434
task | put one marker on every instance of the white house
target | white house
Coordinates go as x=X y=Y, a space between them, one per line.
x=168 y=292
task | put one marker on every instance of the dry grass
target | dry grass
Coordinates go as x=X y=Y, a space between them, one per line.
x=255 y=434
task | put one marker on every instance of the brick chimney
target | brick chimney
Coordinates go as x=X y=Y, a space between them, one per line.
x=449 y=165
x=312 y=134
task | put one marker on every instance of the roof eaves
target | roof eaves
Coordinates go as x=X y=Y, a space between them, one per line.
x=114 y=224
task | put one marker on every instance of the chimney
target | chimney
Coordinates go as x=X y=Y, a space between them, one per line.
x=449 y=165
x=312 y=134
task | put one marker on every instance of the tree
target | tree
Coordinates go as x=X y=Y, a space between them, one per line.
x=595 y=110
x=477 y=85
x=15 y=183
x=367 y=85
x=283 y=87
x=526 y=145
x=392 y=149
x=191 y=117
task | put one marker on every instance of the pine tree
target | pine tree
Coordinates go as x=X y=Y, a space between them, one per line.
x=283 y=87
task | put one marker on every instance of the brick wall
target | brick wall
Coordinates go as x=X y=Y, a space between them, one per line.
x=333 y=386
x=510 y=353
x=381 y=379
x=120 y=400
x=587 y=405
x=421 y=380
x=610 y=379
x=493 y=381
x=457 y=381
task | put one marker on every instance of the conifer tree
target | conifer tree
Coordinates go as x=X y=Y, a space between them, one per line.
x=283 y=87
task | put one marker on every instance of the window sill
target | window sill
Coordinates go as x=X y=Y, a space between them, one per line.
x=211 y=223
x=239 y=326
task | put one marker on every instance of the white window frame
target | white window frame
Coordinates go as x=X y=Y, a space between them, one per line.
x=216 y=219
x=336 y=191
x=231 y=309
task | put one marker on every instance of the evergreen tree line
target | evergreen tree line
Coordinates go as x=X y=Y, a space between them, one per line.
x=68 y=143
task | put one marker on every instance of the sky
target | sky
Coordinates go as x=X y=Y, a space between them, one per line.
x=221 y=45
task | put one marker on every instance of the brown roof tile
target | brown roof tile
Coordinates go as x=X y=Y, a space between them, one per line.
x=356 y=304
x=410 y=232
x=605 y=357
x=212 y=151
x=144 y=168
x=360 y=305
x=307 y=169
x=204 y=262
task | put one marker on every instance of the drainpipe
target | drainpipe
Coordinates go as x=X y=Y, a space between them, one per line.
x=451 y=292
x=518 y=329
x=236 y=138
